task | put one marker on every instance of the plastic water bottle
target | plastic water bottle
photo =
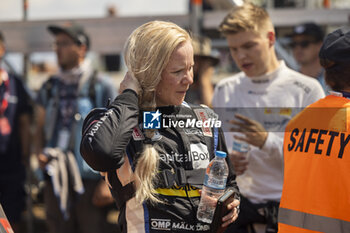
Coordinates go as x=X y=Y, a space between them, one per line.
x=240 y=147
x=214 y=186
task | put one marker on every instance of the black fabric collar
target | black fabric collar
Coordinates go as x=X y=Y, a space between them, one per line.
x=169 y=109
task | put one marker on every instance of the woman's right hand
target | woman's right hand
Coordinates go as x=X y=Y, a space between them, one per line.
x=129 y=82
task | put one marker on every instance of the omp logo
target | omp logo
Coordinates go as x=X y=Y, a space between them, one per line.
x=151 y=120
x=161 y=224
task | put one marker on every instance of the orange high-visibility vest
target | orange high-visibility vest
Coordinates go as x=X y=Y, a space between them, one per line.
x=316 y=189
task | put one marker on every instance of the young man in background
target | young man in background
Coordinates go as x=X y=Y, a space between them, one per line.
x=258 y=102
x=307 y=39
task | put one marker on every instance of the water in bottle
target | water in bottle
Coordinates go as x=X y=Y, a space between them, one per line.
x=214 y=186
x=240 y=147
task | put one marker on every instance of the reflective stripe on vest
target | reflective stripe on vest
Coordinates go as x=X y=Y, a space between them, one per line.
x=316 y=168
x=312 y=222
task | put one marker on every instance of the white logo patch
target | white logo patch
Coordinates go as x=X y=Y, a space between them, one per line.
x=199 y=156
x=202 y=115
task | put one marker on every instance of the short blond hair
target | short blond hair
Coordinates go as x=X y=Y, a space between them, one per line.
x=247 y=17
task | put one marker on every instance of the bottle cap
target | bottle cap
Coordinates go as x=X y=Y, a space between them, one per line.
x=220 y=154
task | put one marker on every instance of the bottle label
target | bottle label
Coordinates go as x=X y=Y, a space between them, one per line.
x=240 y=146
x=214 y=183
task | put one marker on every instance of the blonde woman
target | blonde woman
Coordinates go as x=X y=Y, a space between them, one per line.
x=153 y=163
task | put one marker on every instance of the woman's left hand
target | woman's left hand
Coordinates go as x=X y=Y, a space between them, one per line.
x=233 y=214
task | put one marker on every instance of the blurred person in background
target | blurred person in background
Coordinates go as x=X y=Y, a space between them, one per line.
x=316 y=187
x=258 y=102
x=16 y=110
x=74 y=194
x=202 y=89
x=306 y=42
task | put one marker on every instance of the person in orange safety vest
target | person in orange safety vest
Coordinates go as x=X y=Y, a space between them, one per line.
x=316 y=190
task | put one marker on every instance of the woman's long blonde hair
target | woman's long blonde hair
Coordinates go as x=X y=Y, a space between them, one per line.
x=147 y=53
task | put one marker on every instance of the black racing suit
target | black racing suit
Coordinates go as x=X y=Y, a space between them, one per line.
x=112 y=142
